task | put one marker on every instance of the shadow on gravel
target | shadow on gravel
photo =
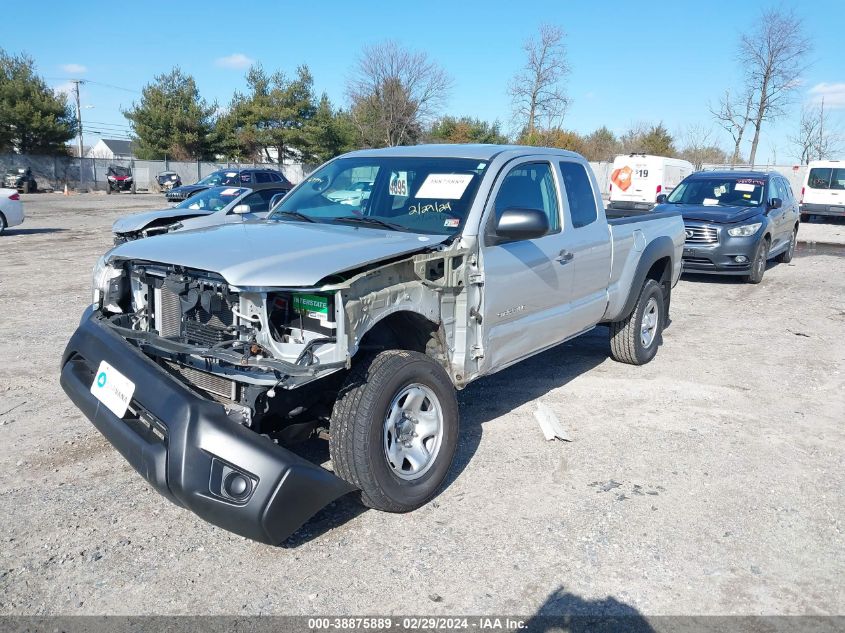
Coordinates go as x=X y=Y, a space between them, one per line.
x=482 y=401
x=9 y=232
x=494 y=396
x=564 y=611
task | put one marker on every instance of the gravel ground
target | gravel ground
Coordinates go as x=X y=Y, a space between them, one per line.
x=707 y=482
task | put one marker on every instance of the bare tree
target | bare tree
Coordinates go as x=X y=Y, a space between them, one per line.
x=394 y=93
x=814 y=140
x=699 y=146
x=536 y=90
x=773 y=56
x=734 y=115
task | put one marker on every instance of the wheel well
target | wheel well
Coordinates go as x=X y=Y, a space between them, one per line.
x=404 y=330
x=661 y=272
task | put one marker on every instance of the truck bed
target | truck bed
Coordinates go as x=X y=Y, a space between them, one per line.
x=631 y=231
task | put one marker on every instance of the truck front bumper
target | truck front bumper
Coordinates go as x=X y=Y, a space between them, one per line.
x=187 y=448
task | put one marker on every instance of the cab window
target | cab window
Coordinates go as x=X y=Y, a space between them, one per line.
x=530 y=186
x=579 y=194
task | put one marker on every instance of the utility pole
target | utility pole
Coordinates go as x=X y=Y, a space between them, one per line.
x=76 y=83
x=821 y=129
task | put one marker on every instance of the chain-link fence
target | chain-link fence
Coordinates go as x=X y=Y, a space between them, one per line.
x=54 y=172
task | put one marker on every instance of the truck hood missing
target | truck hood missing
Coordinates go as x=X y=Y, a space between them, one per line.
x=276 y=253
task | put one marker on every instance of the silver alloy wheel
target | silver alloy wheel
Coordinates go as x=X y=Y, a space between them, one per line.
x=648 y=328
x=413 y=431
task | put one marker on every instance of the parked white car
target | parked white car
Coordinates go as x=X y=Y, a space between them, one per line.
x=11 y=209
x=823 y=192
x=637 y=179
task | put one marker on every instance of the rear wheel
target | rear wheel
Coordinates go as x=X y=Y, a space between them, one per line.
x=786 y=256
x=758 y=264
x=26 y=186
x=634 y=340
x=2 y=223
x=394 y=429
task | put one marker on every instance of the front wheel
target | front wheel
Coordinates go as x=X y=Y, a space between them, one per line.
x=634 y=339
x=758 y=264
x=786 y=256
x=394 y=429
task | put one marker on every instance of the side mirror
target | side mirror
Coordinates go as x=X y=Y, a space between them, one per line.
x=522 y=224
x=775 y=203
x=661 y=198
x=241 y=209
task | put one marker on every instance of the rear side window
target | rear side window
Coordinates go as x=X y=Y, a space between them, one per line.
x=262 y=177
x=826 y=178
x=274 y=177
x=530 y=186
x=579 y=193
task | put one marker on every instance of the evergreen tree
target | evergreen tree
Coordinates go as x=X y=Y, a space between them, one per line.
x=172 y=119
x=33 y=118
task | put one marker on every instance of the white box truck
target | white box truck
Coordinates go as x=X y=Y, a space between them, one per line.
x=637 y=179
x=823 y=192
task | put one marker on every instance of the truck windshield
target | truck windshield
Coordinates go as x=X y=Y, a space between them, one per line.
x=419 y=195
x=722 y=192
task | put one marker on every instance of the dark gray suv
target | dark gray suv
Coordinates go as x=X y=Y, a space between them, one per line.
x=735 y=221
x=230 y=177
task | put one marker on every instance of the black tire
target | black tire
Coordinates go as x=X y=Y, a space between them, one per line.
x=2 y=223
x=626 y=336
x=26 y=186
x=357 y=437
x=133 y=188
x=758 y=263
x=805 y=217
x=108 y=190
x=786 y=256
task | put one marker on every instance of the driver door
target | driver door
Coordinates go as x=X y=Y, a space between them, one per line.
x=527 y=283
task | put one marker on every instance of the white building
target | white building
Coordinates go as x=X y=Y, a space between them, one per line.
x=111 y=149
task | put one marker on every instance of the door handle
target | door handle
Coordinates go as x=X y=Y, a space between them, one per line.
x=565 y=257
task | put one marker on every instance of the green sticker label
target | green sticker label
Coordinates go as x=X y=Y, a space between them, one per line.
x=311 y=303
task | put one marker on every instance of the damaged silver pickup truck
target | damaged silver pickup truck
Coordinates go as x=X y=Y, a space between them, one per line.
x=383 y=282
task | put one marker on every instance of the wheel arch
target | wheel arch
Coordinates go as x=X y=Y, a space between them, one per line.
x=407 y=330
x=656 y=263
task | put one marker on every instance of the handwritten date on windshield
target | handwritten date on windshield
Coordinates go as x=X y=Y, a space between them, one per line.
x=433 y=207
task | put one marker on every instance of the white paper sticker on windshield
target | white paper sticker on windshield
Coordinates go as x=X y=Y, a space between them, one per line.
x=711 y=202
x=744 y=186
x=229 y=192
x=444 y=186
x=398 y=184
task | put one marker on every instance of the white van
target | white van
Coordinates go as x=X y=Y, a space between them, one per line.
x=637 y=179
x=823 y=192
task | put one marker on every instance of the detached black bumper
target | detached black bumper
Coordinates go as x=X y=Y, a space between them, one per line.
x=192 y=453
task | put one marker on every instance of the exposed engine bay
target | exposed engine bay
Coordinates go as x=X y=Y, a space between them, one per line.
x=274 y=358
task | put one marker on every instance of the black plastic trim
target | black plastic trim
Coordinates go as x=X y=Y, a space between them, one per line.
x=659 y=248
x=287 y=488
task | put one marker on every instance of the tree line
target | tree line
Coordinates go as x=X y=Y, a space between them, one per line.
x=395 y=96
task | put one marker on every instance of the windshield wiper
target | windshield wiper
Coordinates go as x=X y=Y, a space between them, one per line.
x=294 y=214
x=371 y=221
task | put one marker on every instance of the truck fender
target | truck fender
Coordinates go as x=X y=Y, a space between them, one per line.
x=659 y=248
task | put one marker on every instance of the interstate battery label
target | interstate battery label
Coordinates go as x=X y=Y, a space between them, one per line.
x=312 y=305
